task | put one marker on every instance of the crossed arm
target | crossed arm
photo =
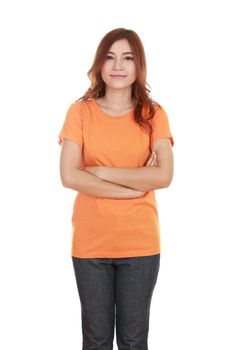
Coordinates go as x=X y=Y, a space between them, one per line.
x=156 y=173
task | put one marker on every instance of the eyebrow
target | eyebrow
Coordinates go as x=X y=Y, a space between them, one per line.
x=123 y=53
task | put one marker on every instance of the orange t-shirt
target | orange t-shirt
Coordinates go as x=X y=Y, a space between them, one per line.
x=109 y=227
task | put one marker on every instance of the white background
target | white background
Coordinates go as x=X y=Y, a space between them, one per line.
x=47 y=48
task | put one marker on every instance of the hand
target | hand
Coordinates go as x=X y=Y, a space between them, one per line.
x=152 y=161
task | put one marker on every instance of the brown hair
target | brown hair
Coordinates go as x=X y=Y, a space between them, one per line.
x=140 y=93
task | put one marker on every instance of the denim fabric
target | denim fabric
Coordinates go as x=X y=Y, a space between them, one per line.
x=118 y=288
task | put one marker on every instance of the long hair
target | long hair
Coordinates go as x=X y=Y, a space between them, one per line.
x=144 y=104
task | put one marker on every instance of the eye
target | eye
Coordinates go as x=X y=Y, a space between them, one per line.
x=128 y=58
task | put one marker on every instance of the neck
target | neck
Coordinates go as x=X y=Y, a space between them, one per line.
x=117 y=99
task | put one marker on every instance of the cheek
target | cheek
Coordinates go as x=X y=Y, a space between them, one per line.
x=133 y=71
x=132 y=68
x=105 y=70
x=106 y=65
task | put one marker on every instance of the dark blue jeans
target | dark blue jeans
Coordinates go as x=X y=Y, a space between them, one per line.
x=116 y=286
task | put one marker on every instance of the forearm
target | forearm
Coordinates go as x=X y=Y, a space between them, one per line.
x=141 y=179
x=82 y=181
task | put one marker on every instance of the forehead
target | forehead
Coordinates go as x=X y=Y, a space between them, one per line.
x=120 y=47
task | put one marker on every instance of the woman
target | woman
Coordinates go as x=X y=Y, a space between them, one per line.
x=116 y=150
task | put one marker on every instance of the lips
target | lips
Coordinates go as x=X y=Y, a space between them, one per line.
x=118 y=76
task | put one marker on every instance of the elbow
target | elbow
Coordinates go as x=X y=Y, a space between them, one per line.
x=166 y=177
x=65 y=184
x=64 y=180
x=167 y=181
x=162 y=179
x=164 y=182
x=69 y=179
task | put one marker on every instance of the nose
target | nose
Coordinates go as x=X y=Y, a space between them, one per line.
x=118 y=63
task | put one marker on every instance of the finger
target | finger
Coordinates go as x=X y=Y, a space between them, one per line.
x=154 y=159
x=150 y=160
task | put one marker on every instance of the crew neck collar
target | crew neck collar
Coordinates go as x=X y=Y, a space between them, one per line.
x=108 y=116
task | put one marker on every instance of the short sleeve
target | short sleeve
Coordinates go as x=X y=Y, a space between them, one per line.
x=72 y=128
x=160 y=126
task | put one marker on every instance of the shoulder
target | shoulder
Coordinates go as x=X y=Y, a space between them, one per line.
x=79 y=104
x=158 y=114
x=80 y=107
x=159 y=109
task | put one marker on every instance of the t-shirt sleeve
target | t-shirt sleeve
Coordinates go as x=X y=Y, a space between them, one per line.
x=72 y=128
x=160 y=126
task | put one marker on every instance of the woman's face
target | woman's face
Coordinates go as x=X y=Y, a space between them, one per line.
x=119 y=61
